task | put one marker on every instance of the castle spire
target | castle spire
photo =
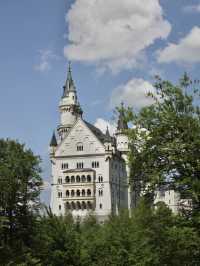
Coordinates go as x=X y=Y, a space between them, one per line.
x=69 y=84
x=122 y=124
x=53 y=142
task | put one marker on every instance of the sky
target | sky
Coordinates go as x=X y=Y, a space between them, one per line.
x=116 y=48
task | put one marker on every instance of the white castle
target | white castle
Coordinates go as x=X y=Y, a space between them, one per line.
x=90 y=172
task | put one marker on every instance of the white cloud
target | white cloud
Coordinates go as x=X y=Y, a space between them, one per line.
x=133 y=94
x=192 y=8
x=46 y=57
x=186 y=51
x=114 y=33
x=103 y=124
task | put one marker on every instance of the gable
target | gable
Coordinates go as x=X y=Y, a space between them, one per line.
x=80 y=135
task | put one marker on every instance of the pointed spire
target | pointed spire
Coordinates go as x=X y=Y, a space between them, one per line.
x=53 y=142
x=69 y=85
x=108 y=137
x=122 y=124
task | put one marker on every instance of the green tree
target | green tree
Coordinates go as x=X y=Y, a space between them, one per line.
x=169 y=149
x=20 y=184
x=57 y=241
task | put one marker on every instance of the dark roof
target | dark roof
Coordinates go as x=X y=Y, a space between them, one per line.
x=53 y=142
x=69 y=84
x=122 y=124
x=98 y=133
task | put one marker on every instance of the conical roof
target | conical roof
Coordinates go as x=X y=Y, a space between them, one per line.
x=69 y=84
x=122 y=124
x=53 y=142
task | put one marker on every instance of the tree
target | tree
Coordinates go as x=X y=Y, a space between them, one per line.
x=168 y=151
x=57 y=241
x=20 y=184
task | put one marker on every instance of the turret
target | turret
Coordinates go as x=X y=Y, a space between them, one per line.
x=108 y=141
x=53 y=145
x=69 y=106
x=121 y=137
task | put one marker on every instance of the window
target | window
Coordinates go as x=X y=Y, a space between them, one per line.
x=60 y=194
x=59 y=180
x=78 y=179
x=100 y=206
x=89 y=192
x=64 y=166
x=68 y=206
x=59 y=207
x=67 y=193
x=72 y=179
x=89 y=205
x=95 y=164
x=89 y=178
x=72 y=193
x=79 y=165
x=78 y=204
x=83 y=179
x=67 y=179
x=100 y=179
x=78 y=193
x=84 y=206
x=79 y=147
x=100 y=193
x=83 y=193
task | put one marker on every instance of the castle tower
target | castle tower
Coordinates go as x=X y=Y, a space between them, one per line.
x=69 y=106
x=121 y=137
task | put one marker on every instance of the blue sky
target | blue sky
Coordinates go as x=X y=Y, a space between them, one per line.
x=115 y=47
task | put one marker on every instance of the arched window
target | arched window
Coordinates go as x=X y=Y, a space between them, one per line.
x=72 y=179
x=100 y=206
x=83 y=179
x=73 y=205
x=67 y=179
x=83 y=192
x=89 y=205
x=100 y=192
x=78 y=205
x=89 y=192
x=89 y=178
x=60 y=194
x=78 y=193
x=72 y=193
x=59 y=207
x=84 y=205
x=100 y=179
x=68 y=206
x=67 y=193
x=78 y=179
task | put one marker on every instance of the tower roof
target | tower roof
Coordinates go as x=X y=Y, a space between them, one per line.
x=122 y=124
x=108 y=137
x=53 y=142
x=69 y=84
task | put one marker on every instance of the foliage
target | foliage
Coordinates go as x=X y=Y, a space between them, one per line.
x=19 y=197
x=165 y=142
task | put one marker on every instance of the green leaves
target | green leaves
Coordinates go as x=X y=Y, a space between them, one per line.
x=171 y=151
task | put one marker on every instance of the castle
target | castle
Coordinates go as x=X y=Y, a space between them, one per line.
x=89 y=169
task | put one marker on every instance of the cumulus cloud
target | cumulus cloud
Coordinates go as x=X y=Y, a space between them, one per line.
x=133 y=93
x=103 y=124
x=192 y=8
x=186 y=51
x=45 y=60
x=114 y=33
